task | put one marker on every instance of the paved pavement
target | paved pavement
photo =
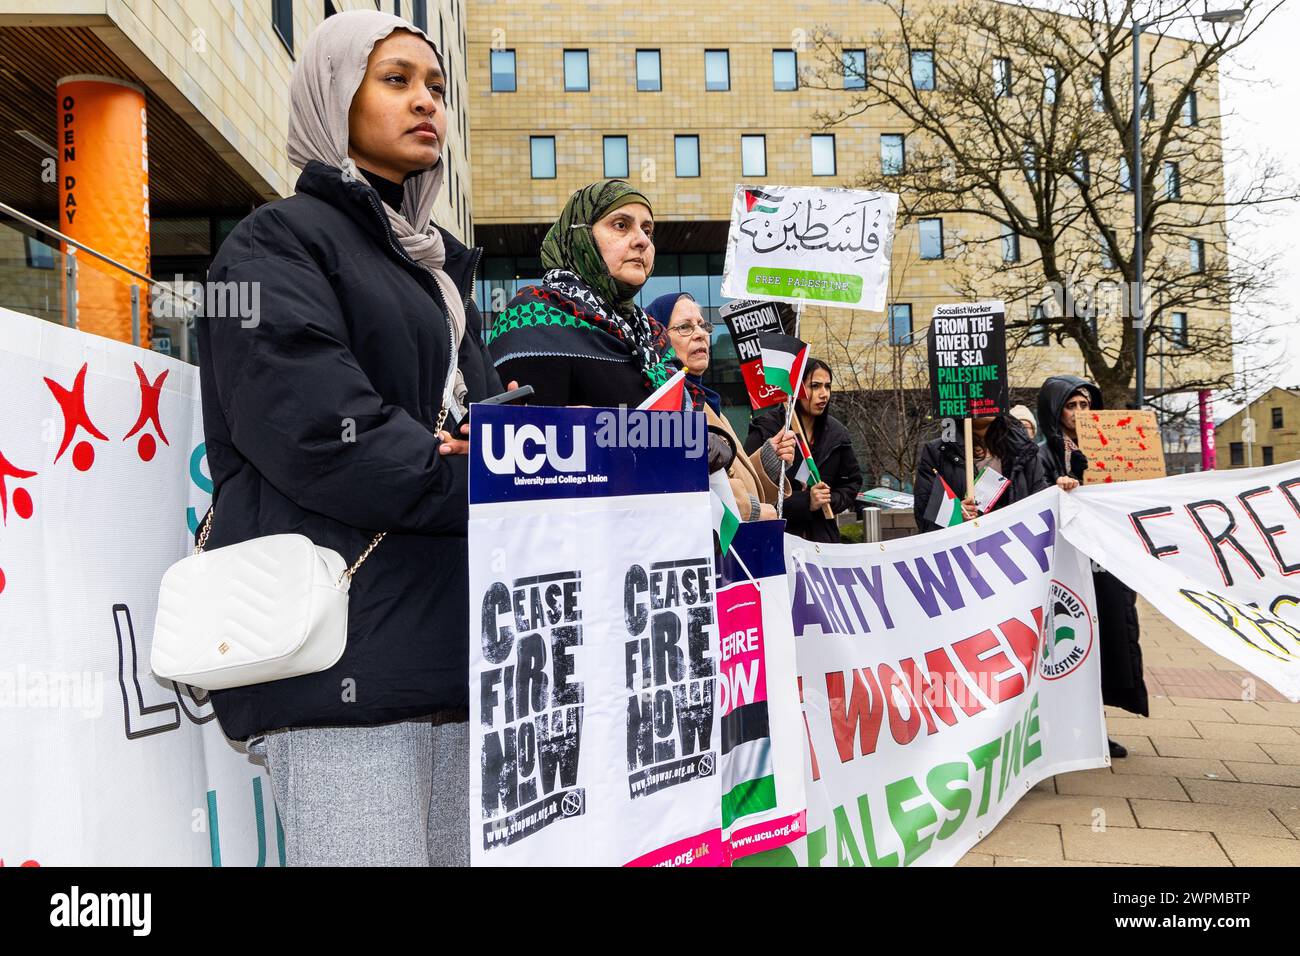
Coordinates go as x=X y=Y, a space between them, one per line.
x=1212 y=777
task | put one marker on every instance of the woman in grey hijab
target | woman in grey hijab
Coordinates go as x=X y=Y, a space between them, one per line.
x=329 y=416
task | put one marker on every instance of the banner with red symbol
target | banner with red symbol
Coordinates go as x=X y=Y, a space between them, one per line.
x=102 y=481
x=745 y=319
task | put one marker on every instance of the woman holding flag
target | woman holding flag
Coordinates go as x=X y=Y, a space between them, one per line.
x=825 y=465
x=753 y=477
x=579 y=338
x=1007 y=469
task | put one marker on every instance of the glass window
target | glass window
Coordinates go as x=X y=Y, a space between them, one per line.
x=900 y=323
x=1107 y=261
x=923 y=69
x=41 y=256
x=1148 y=102
x=1050 y=85
x=420 y=14
x=717 y=71
x=1268 y=454
x=1125 y=177
x=576 y=78
x=543 y=156
x=855 y=69
x=823 y=154
x=1029 y=158
x=1237 y=453
x=892 y=156
x=503 y=71
x=1277 y=418
x=1189 y=109
x=1196 y=254
x=1001 y=76
x=1178 y=330
x=1173 y=182
x=688 y=156
x=785 y=70
x=616 y=157
x=1098 y=96
x=1010 y=245
x=1081 y=166
x=647 y=71
x=1038 y=327
x=282 y=22
x=931 y=238
x=753 y=155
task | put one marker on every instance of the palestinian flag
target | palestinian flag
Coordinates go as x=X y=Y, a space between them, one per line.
x=668 y=397
x=807 y=472
x=758 y=201
x=784 y=358
x=945 y=509
x=726 y=513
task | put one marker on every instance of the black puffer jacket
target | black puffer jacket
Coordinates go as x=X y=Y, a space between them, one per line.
x=948 y=459
x=319 y=420
x=1122 y=681
x=832 y=450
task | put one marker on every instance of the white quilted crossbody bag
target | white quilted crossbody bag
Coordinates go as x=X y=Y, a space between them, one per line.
x=261 y=610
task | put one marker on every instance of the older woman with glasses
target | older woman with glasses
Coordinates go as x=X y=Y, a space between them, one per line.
x=753 y=477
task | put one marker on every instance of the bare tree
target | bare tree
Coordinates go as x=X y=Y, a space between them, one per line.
x=1017 y=126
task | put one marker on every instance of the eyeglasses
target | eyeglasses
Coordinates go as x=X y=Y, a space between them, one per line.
x=688 y=328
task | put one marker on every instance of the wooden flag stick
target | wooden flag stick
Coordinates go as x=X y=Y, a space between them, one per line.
x=798 y=427
x=970 y=460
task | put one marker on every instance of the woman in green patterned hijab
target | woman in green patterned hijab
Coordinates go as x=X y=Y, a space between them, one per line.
x=578 y=337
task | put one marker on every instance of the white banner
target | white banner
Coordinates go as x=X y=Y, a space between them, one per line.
x=593 y=660
x=821 y=246
x=942 y=676
x=102 y=478
x=1215 y=552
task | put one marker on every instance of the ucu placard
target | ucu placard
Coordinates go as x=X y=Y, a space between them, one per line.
x=532 y=453
x=526 y=448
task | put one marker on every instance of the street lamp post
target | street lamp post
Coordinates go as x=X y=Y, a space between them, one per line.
x=1139 y=305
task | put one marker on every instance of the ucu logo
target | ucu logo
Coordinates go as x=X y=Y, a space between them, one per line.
x=527 y=448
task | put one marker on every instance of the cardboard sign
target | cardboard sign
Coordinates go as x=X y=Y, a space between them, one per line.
x=1121 y=446
x=745 y=319
x=968 y=360
x=810 y=244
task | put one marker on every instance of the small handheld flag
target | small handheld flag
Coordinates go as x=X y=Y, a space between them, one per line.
x=944 y=509
x=807 y=472
x=784 y=358
x=668 y=397
x=726 y=513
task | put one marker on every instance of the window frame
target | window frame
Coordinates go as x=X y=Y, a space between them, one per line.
x=726 y=54
x=586 y=56
x=659 y=69
x=902 y=154
x=911 y=69
x=532 y=158
x=794 y=59
x=514 y=71
x=677 y=166
x=279 y=25
x=604 y=157
x=1002 y=84
x=762 y=138
x=892 y=316
x=854 y=52
x=812 y=145
x=920 y=238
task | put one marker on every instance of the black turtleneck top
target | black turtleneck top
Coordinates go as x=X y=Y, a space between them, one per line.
x=389 y=191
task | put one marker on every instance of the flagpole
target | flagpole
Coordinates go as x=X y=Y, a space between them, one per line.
x=789 y=414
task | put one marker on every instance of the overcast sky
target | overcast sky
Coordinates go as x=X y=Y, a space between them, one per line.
x=1262 y=88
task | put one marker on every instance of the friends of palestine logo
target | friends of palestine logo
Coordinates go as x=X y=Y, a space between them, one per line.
x=1067 y=633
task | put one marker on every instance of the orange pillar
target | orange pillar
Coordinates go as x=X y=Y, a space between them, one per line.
x=103 y=150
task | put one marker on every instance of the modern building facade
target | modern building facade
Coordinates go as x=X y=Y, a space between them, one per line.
x=1274 y=436
x=544 y=97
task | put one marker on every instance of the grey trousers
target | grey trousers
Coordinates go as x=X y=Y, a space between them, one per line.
x=388 y=795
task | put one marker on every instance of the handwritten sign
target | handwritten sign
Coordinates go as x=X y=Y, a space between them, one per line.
x=745 y=319
x=807 y=244
x=1121 y=446
x=968 y=360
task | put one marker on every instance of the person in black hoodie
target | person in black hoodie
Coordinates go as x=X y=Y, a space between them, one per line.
x=832 y=452
x=1000 y=443
x=328 y=416
x=1060 y=401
